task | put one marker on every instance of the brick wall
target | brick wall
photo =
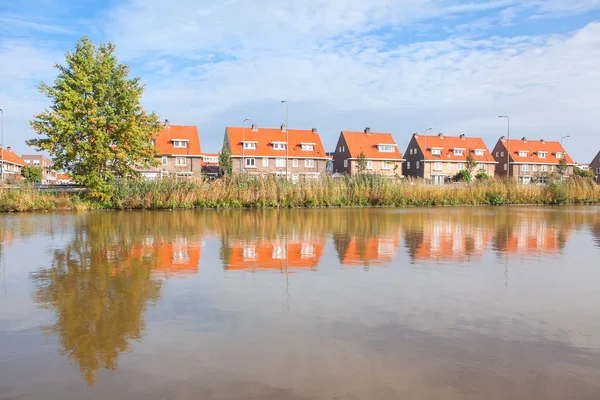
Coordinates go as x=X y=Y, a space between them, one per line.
x=319 y=165
x=449 y=169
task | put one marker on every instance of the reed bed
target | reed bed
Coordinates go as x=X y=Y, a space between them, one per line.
x=273 y=192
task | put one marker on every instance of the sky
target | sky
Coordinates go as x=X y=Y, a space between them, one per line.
x=397 y=66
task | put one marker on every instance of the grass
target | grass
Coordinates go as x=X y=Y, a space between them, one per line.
x=240 y=192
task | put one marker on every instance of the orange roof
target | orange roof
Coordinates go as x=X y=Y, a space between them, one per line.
x=165 y=138
x=537 y=239
x=62 y=177
x=175 y=258
x=266 y=137
x=533 y=149
x=270 y=254
x=12 y=157
x=447 y=144
x=358 y=142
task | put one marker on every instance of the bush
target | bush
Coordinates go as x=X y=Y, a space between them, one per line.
x=462 y=176
x=482 y=176
x=584 y=173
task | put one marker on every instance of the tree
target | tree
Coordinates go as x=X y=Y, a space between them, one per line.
x=361 y=163
x=31 y=174
x=464 y=175
x=584 y=173
x=470 y=163
x=562 y=166
x=225 y=162
x=96 y=128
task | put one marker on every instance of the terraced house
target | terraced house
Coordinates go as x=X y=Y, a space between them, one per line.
x=179 y=153
x=437 y=158
x=530 y=160
x=595 y=167
x=264 y=151
x=12 y=164
x=379 y=150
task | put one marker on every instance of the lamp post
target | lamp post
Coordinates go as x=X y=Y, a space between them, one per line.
x=243 y=144
x=507 y=143
x=2 y=147
x=561 y=139
x=287 y=139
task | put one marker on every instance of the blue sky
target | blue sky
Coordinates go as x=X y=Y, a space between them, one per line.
x=393 y=65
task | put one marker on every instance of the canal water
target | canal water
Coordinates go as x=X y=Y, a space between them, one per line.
x=447 y=303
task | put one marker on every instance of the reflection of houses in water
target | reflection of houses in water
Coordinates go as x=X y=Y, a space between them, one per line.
x=178 y=257
x=536 y=236
x=274 y=254
x=366 y=251
x=448 y=240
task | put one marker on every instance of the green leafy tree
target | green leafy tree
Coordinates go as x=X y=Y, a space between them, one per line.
x=584 y=173
x=562 y=166
x=470 y=163
x=361 y=164
x=31 y=174
x=482 y=176
x=96 y=129
x=225 y=162
x=463 y=176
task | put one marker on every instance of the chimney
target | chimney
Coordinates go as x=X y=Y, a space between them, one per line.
x=503 y=138
x=524 y=139
x=543 y=141
x=254 y=128
x=416 y=135
x=283 y=128
x=368 y=131
x=462 y=136
x=315 y=131
x=167 y=124
x=441 y=135
x=8 y=148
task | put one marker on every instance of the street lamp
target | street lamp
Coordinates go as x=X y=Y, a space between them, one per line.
x=508 y=144
x=428 y=129
x=2 y=147
x=287 y=138
x=243 y=144
x=564 y=137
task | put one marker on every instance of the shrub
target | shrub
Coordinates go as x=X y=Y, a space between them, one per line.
x=482 y=176
x=462 y=176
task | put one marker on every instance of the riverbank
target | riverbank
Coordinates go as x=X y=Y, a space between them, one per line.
x=276 y=193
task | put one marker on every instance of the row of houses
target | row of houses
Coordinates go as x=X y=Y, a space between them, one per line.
x=13 y=163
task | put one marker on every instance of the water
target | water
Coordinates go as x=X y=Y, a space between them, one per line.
x=456 y=303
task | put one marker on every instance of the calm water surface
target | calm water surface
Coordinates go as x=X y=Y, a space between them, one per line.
x=456 y=303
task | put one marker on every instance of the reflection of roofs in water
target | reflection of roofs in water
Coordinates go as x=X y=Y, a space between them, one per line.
x=272 y=254
x=448 y=241
x=537 y=238
x=368 y=251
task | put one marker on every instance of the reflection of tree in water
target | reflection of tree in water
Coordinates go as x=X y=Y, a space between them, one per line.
x=596 y=232
x=98 y=292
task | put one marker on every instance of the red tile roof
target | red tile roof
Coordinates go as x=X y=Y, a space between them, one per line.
x=265 y=137
x=533 y=147
x=12 y=157
x=447 y=144
x=165 y=138
x=358 y=142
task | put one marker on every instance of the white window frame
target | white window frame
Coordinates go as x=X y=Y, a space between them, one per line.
x=178 y=163
x=542 y=154
x=501 y=154
x=459 y=152
x=278 y=146
x=505 y=166
x=418 y=164
x=436 y=152
x=460 y=166
x=437 y=166
x=369 y=164
x=346 y=163
x=479 y=152
x=449 y=165
x=280 y=162
x=249 y=145
x=386 y=165
x=559 y=154
x=265 y=161
x=165 y=160
x=408 y=165
x=180 y=144
x=522 y=154
x=36 y=163
x=598 y=170
x=544 y=168
x=309 y=163
x=295 y=163
x=480 y=167
x=533 y=168
x=250 y=162
x=385 y=148
x=308 y=147
x=525 y=168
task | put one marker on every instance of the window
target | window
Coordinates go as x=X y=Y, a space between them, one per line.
x=418 y=164
x=598 y=170
x=544 y=168
x=497 y=154
x=308 y=147
x=525 y=168
x=278 y=146
x=165 y=160
x=153 y=142
x=386 y=148
x=552 y=168
x=294 y=163
x=436 y=152
x=408 y=165
x=346 y=163
x=559 y=154
x=449 y=165
x=265 y=162
x=458 y=152
x=438 y=166
x=478 y=152
x=410 y=151
x=534 y=167
x=522 y=154
x=501 y=154
x=280 y=162
x=386 y=165
x=250 y=145
x=480 y=167
x=309 y=163
x=505 y=166
x=460 y=166
x=250 y=163
x=179 y=161
x=542 y=154
x=343 y=148
x=28 y=161
x=180 y=143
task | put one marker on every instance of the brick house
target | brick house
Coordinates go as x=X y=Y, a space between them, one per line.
x=437 y=158
x=530 y=160
x=380 y=150
x=38 y=160
x=210 y=164
x=595 y=167
x=262 y=151
x=12 y=164
x=179 y=154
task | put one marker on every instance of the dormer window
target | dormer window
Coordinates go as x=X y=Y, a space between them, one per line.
x=436 y=152
x=307 y=147
x=182 y=144
x=250 y=145
x=278 y=145
x=458 y=152
x=385 y=148
x=479 y=152
x=559 y=154
x=522 y=154
x=541 y=154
